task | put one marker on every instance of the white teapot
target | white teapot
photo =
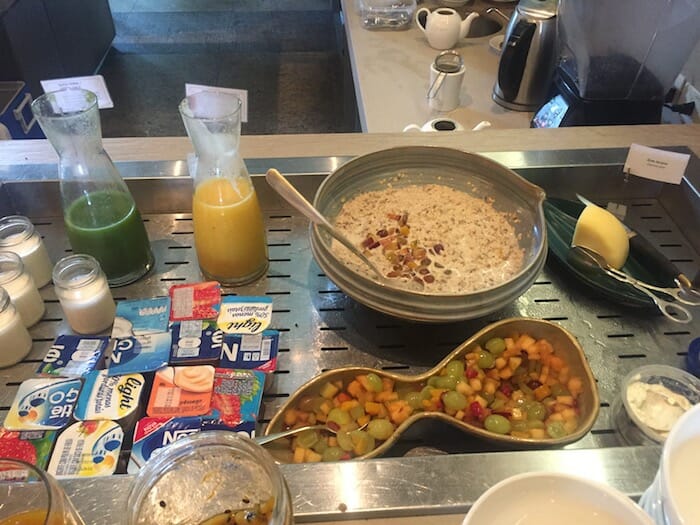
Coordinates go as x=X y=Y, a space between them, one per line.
x=444 y=27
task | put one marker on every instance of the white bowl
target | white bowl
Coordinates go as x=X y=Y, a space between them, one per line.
x=550 y=498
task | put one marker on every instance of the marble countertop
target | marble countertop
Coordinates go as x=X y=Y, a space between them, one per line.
x=391 y=75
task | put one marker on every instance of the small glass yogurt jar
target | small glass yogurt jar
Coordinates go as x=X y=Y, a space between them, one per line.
x=83 y=291
x=17 y=234
x=15 y=342
x=21 y=288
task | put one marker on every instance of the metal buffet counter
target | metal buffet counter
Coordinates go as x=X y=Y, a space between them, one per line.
x=434 y=469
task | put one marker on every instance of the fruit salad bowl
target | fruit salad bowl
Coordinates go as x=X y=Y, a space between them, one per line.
x=517 y=383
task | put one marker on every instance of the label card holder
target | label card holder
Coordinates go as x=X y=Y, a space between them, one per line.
x=656 y=164
x=68 y=102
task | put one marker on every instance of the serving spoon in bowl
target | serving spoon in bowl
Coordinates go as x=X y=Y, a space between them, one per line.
x=289 y=193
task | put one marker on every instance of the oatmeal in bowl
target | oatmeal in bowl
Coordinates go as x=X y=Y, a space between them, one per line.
x=455 y=235
x=431 y=238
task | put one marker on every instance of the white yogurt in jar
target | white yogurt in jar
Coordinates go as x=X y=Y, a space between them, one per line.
x=17 y=234
x=15 y=342
x=21 y=288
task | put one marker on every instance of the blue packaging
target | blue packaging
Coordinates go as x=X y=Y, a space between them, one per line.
x=153 y=433
x=141 y=317
x=250 y=351
x=195 y=343
x=143 y=353
x=74 y=356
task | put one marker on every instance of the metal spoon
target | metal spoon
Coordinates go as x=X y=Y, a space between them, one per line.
x=261 y=440
x=593 y=260
x=296 y=199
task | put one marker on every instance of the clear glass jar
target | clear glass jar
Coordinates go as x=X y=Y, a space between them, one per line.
x=386 y=14
x=212 y=473
x=99 y=212
x=21 y=288
x=31 y=495
x=17 y=234
x=229 y=231
x=15 y=342
x=84 y=294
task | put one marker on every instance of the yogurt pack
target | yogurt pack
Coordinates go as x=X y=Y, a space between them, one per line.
x=74 y=356
x=31 y=446
x=43 y=404
x=153 y=433
x=115 y=398
x=87 y=449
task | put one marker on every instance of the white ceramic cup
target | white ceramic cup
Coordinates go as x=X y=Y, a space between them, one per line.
x=672 y=497
x=446 y=94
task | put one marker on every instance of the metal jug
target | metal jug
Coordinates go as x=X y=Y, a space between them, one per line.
x=528 y=56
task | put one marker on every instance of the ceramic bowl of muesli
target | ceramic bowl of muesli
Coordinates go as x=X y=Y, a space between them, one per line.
x=456 y=235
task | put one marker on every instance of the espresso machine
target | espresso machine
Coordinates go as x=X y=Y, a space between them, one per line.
x=617 y=60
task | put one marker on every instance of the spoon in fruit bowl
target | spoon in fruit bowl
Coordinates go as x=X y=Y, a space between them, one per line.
x=590 y=260
x=262 y=440
x=289 y=193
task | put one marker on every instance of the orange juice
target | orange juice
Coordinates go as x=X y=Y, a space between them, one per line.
x=31 y=517
x=229 y=234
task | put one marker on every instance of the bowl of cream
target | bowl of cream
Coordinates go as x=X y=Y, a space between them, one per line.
x=652 y=399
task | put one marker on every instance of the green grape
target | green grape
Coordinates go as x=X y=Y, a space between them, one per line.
x=536 y=411
x=446 y=382
x=332 y=454
x=455 y=368
x=427 y=392
x=497 y=405
x=433 y=381
x=558 y=389
x=519 y=425
x=380 y=429
x=362 y=442
x=414 y=400
x=357 y=412
x=307 y=439
x=320 y=446
x=497 y=424
x=496 y=345
x=454 y=401
x=342 y=417
x=374 y=382
x=344 y=441
x=535 y=423
x=486 y=359
x=556 y=429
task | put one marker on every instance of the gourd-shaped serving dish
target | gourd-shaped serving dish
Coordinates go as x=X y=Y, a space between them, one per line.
x=565 y=346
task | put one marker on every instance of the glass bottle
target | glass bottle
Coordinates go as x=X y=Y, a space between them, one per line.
x=84 y=294
x=21 y=288
x=17 y=234
x=100 y=215
x=210 y=477
x=15 y=341
x=229 y=232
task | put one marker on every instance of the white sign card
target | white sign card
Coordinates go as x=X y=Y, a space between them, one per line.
x=94 y=83
x=656 y=164
x=191 y=89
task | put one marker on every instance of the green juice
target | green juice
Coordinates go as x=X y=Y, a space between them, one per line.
x=107 y=225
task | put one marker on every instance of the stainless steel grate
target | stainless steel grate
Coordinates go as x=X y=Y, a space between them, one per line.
x=322 y=329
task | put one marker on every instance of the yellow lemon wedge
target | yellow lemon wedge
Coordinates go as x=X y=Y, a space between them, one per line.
x=599 y=230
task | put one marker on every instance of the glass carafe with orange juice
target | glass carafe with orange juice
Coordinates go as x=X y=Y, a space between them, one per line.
x=30 y=496
x=229 y=232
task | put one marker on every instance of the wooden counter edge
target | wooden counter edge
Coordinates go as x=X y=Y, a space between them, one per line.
x=286 y=146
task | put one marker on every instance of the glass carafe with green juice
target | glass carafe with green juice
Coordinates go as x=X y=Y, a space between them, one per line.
x=100 y=214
